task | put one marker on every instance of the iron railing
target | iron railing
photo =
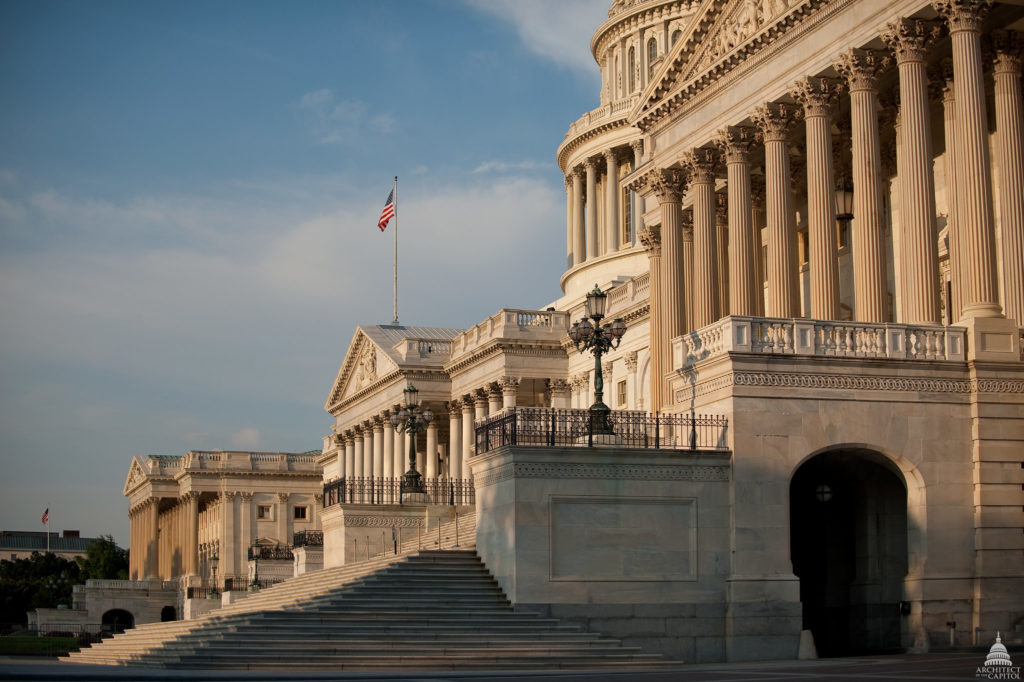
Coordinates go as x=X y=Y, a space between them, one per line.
x=268 y=552
x=563 y=428
x=377 y=490
x=308 y=538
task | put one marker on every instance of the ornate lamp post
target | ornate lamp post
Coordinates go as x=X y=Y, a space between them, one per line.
x=598 y=339
x=411 y=419
x=844 y=208
x=214 y=561
x=254 y=586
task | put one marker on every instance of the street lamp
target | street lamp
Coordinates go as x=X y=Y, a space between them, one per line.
x=214 y=561
x=598 y=339
x=411 y=419
x=254 y=586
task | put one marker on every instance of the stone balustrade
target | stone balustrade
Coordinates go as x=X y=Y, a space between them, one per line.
x=601 y=115
x=786 y=336
x=224 y=460
x=437 y=350
x=513 y=324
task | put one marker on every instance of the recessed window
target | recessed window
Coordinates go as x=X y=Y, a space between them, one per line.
x=264 y=512
x=622 y=392
x=652 y=54
x=300 y=513
x=676 y=35
x=632 y=69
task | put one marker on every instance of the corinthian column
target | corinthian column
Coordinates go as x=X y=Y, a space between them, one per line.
x=817 y=96
x=686 y=218
x=591 y=166
x=774 y=121
x=1008 y=47
x=735 y=143
x=974 y=184
x=378 y=445
x=387 y=446
x=638 y=200
x=704 y=293
x=350 y=455
x=861 y=69
x=953 y=231
x=669 y=185
x=468 y=437
x=651 y=239
x=454 y=439
x=568 y=222
x=611 y=214
x=579 y=230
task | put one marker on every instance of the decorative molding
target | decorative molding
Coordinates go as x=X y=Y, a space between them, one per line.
x=383 y=522
x=625 y=472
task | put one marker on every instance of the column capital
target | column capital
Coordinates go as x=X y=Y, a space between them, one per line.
x=816 y=94
x=963 y=15
x=559 y=386
x=651 y=239
x=378 y=422
x=568 y=181
x=862 y=68
x=318 y=498
x=284 y=497
x=909 y=39
x=509 y=384
x=702 y=164
x=228 y=495
x=246 y=496
x=610 y=156
x=736 y=143
x=774 y=120
x=630 y=360
x=590 y=163
x=1008 y=49
x=668 y=184
x=638 y=148
x=480 y=397
x=454 y=408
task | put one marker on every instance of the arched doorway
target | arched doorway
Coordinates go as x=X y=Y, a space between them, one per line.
x=848 y=543
x=117 y=620
x=168 y=613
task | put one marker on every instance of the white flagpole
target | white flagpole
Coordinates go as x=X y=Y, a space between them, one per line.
x=395 y=320
x=47 y=529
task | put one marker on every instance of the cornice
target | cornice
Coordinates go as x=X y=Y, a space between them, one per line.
x=534 y=348
x=628 y=20
x=570 y=145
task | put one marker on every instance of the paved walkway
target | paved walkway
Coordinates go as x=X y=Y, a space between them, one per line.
x=941 y=666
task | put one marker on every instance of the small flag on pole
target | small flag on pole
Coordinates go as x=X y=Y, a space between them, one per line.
x=46 y=515
x=388 y=213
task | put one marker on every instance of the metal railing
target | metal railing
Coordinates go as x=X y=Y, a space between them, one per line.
x=563 y=428
x=262 y=552
x=378 y=490
x=308 y=538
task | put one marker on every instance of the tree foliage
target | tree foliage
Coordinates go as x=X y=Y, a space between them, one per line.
x=41 y=581
x=104 y=560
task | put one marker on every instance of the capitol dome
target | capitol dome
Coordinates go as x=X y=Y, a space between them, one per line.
x=997 y=655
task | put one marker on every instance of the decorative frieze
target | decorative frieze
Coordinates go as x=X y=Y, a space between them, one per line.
x=618 y=472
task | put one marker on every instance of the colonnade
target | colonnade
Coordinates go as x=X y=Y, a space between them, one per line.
x=686 y=290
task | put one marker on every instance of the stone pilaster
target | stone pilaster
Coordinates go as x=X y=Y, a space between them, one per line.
x=701 y=164
x=651 y=239
x=817 y=95
x=1010 y=145
x=774 y=121
x=284 y=519
x=611 y=213
x=592 y=239
x=454 y=438
x=579 y=229
x=861 y=69
x=974 y=183
x=744 y=285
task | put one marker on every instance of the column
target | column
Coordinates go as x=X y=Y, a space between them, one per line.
x=430 y=470
x=350 y=454
x=611 y=214
x=701 y=164
x=579 y=230
x=630 y=360
x=953 y=229
x=744 y=285
x=686 y=220
x=468 y=436
x=669 y=185
x=399 y=448
x=483 y=400
x=454 y=439
x=191 y=553
x=722 y=252
x=909 y=41
x=757 y=210
x=378 y=446
x=509 y=391
x=152 y=568
x=569 y=225
x=284 y=519
x=638 y=201
x=559 y=390
x=357 y=456
x=774 y=121
x=861 y=69
x=368 y=449
x=246 y=533
x=228 y=539
x=388 y=447
x=651 y=239
x=817 y=96
x=591 y=166
x=1008 y=46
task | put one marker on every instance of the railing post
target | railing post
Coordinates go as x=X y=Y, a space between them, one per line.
x=514 y=427
x=657 y=431
x=554 y=417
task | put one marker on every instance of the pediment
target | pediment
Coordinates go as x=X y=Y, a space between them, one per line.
x=135 y=474
x=365 y=362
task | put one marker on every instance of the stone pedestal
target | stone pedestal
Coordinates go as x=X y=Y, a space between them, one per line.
x=354 y=531
x=992 y=339
x=308 y=559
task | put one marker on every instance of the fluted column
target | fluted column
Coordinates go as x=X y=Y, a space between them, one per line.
x=817 y=96
x=591 y=166
x=611 y=214
x=152 y=568
x=246 y=532
x=399 y=448
x=637 y=147
x=909 y=40
x=430 y=471
x=735 y=143
x=757 y=211
x=559 y=390
x=284 y=519
x=387 y=439
x=704 y=292
x=569 y=238
x=228 y=537
x=454 y=439
x=651 y=239
x=774 y=121
x=686 y=219
x=669 y=186
x=509 y=391
x=359 y=469
x=350 y=454
x=953 y=231
x=1008 y=47
x=722 y=251
x=974 y=183
x=468 y=436
x=368 y=449
x=191 y=553
x=861 y=69
x=378 y=446
x=579 y=230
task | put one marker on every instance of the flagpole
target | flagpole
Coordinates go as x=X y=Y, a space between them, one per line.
x=47 y=529
x=395 y=320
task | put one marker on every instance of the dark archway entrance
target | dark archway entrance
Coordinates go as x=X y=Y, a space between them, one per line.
x=848 y=543
x=168 y=613
x=117 y=620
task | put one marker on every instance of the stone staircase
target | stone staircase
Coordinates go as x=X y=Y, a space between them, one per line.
x=423 y=609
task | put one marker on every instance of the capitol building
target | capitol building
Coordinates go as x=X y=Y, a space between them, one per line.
x=809 y=217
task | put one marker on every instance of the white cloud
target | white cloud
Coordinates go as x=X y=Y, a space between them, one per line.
x=342 y=121
x=559 y=31
x=504 y=166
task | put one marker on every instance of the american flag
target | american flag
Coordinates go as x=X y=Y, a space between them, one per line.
x=388 y=213
x=46 y=515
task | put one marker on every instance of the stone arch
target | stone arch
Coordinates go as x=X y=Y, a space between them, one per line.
x=168 y=613
x=117 y=620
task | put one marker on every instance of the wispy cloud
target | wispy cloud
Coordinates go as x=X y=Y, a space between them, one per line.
x=559 y=31
x=341 y=121
x=505 y=166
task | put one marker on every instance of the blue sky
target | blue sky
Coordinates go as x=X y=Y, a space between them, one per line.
x=188 y=202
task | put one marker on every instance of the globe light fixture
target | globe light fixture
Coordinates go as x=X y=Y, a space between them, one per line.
x=598 y=339
x=411 y=419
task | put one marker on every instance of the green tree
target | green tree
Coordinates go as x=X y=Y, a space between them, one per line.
x=42 y=581
x=104 y=560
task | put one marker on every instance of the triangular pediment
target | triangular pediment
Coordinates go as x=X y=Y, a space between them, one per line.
x=365 y=362
x=135 y=474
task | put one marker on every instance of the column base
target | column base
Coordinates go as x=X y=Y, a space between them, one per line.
x=992 y=339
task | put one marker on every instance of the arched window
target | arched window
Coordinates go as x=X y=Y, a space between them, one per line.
x=676 y=35
x=652 y=54
x=632 y=69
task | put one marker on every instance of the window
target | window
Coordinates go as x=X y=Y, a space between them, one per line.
x=632 y=69
x=652 y=54
x=622 y=393
x=627 y=215
x=676 y=35
x=300 y=513
x=264 y=512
